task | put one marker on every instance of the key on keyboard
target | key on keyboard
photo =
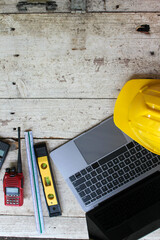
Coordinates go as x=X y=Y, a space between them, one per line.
x=113 y=171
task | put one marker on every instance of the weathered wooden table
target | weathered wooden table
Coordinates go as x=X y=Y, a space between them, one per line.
x=60 y=74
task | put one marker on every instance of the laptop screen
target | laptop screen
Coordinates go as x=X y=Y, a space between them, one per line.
x=134 y=211
x=100 y=141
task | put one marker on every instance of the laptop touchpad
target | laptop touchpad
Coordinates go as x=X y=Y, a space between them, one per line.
x=100 y=141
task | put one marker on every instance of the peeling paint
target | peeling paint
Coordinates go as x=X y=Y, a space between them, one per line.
x=62 y=79
x=44 y=118
x=98 y=62
x=79 y=39
x=23 y=6
x=126 y=61
x=5 y=122
x=81 y=49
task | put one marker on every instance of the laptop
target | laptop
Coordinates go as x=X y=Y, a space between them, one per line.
x=102 y=164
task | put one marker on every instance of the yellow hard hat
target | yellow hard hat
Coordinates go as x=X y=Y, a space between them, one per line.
x=137 y=112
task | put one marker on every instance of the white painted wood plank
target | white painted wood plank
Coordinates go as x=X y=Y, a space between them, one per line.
x=123 y=6
x=75 y=56
x=92 y=6
x=52 y=118
x=59 y=227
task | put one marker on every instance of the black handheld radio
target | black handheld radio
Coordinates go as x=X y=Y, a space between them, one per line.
x=4 y=147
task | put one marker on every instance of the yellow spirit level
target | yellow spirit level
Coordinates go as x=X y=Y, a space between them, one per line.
x=47 y=179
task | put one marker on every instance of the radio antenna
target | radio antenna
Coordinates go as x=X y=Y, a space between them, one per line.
x=19 y=163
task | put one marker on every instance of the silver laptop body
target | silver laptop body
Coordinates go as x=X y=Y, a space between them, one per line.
x=92 y=168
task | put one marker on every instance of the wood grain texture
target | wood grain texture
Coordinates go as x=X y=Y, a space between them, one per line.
x=75 y=56
x=52 y=118
x=123 y=6
x=11 y=7
x=92 y=6
x=55 y=227
x=61 y=75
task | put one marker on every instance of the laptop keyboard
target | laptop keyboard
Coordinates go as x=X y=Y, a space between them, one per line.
x=113 y=171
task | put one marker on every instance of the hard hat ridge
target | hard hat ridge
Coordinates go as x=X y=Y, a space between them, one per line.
x=137 y=112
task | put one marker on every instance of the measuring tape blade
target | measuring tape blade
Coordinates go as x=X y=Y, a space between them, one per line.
x=34 y=181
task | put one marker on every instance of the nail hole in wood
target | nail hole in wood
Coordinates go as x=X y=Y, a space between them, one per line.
x=16 y=55
x=13 y=29
x=144 y=28
x=14 y=129
x=13 y=83
x=117 y=6
x=152 y=53
x=12 y=113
